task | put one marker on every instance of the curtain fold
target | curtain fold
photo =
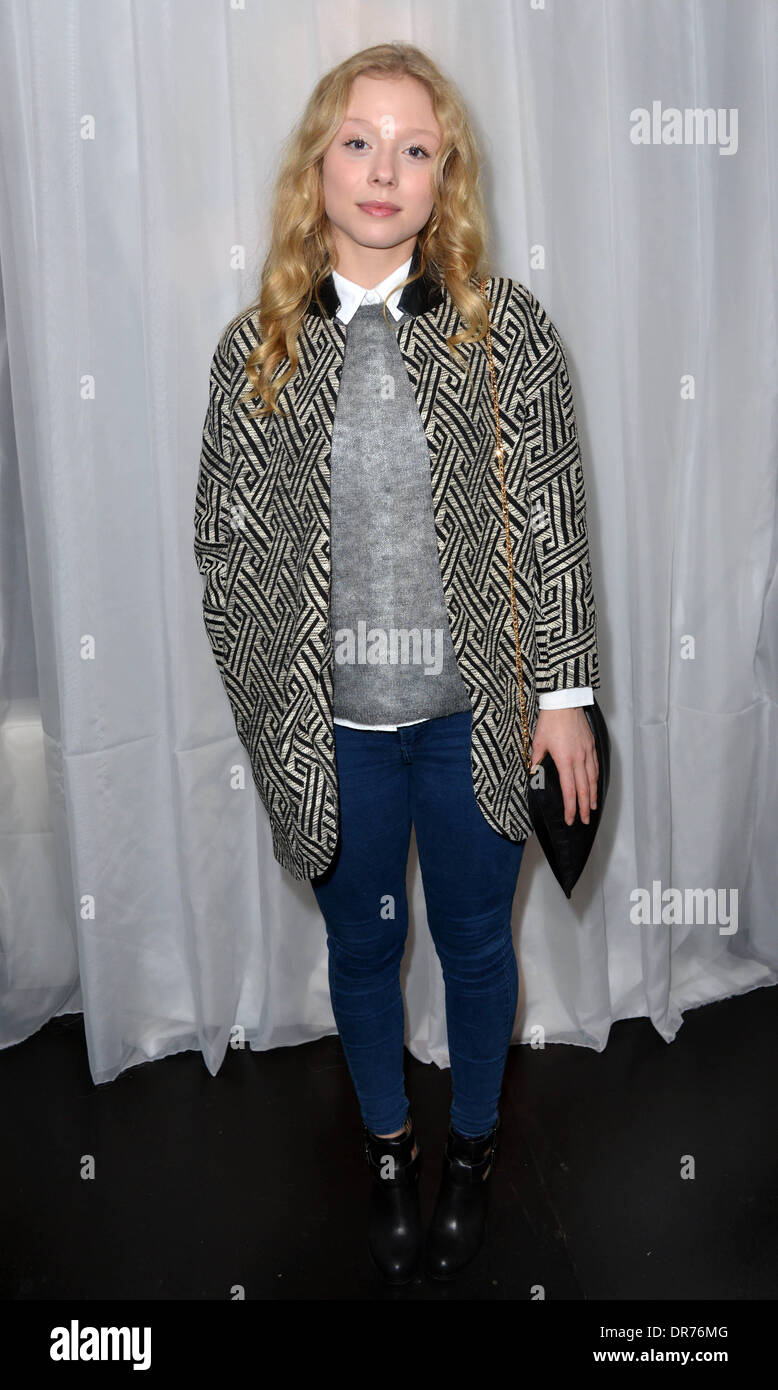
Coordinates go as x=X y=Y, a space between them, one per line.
x=138 y=145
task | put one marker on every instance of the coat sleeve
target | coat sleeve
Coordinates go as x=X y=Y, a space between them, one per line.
x=566 y=621
x=211 y=519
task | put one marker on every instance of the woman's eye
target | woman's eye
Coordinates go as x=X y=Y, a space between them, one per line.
x=355 y=140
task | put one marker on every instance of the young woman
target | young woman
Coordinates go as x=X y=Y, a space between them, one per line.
x=350 y=528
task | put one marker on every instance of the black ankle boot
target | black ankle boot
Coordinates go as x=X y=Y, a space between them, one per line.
x=458 y=1221
x=394 y=1233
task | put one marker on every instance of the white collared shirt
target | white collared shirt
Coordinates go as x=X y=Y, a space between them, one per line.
x=351 y=296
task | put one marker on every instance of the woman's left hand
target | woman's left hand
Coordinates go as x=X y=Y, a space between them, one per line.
x=565 y=734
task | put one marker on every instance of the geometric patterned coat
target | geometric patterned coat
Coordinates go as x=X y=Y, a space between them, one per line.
x=262 y=542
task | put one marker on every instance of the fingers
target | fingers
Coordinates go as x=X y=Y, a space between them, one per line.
x=578 y=781
x=593 y=771
x=571 y=788
x=537 y=753
x=583 y=790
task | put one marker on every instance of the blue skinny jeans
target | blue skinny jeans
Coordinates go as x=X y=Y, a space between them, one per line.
x=419 y=775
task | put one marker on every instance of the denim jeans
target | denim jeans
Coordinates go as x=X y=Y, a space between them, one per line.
x=420 y=774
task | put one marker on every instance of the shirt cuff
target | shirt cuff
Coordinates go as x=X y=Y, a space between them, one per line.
x=566 y=699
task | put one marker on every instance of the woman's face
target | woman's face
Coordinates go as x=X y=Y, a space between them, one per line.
x=382 y=155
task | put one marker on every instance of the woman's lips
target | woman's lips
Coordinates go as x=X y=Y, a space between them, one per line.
x=379 y=209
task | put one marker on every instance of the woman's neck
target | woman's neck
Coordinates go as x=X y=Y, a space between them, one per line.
x=369 y=265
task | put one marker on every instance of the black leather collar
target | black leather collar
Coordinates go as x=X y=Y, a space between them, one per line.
x=420 y=297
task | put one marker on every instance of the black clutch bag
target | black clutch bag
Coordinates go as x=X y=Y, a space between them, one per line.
x=566 y=847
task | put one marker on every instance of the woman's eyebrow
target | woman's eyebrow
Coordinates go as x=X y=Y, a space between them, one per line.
x=411 y=130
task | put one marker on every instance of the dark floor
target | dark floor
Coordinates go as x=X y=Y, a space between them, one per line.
x=256 y=1177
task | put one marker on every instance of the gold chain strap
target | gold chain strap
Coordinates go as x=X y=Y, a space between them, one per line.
x=508 y=547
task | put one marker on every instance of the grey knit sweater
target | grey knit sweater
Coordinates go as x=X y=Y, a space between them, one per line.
x=394 y=659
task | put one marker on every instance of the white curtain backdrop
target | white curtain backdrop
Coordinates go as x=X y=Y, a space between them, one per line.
x=139 y=143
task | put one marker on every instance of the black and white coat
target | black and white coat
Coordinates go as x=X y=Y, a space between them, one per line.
x=262 y=542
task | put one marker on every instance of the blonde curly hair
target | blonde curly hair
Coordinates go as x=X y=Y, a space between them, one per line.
x=451 y=243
